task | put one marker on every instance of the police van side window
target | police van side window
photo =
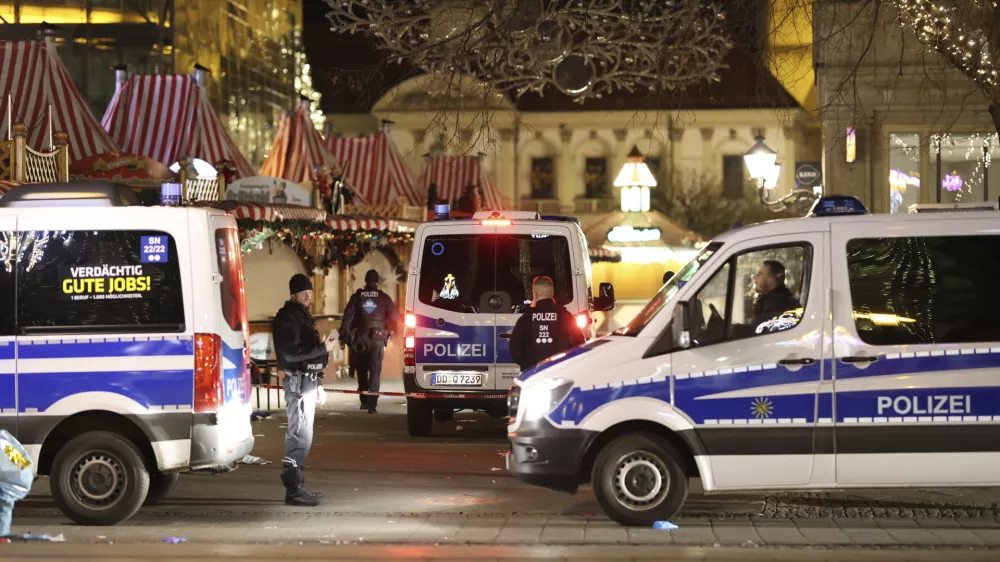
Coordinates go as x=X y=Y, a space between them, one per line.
x=98 y=281
x=522 y=257
x=922 y=290
x=8 y=250
x=755 y=293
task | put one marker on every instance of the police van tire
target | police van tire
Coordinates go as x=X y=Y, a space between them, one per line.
x=638 y=480
x=419 y=417
x=160 y=486
x=99 y=478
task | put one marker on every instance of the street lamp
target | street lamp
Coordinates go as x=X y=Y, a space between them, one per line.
x=635 y=179
x=762 y=164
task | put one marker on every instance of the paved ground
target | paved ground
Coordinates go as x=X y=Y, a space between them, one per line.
x=390 y=496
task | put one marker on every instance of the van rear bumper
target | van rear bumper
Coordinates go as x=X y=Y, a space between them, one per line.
x=487 y=399
x=211 y=448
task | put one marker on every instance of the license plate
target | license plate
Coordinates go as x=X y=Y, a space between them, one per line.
x=456 y=379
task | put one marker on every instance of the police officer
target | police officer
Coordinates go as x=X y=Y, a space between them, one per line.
x=369 y=319
x=545 y=329
x=302 y=356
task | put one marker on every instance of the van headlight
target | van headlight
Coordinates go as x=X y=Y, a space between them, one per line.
x=540 y=399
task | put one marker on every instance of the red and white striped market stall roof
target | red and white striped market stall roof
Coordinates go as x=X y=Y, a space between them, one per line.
x=168 y=117
x=376 y=169
x=6 y=185
x=267 y=212
x=36 y=78
x=360 y=222
x=298 y=150
x=453 y=173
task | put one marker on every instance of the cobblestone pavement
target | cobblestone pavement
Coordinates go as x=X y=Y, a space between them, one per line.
x=390 y=496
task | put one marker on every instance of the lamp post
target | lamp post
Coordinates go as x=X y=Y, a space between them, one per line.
x=635 y=181
x=762 y=164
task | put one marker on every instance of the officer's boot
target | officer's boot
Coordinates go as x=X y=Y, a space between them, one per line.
x=301 y=497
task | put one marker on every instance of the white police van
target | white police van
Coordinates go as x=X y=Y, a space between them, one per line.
x=886 y=373
x=469 y=280
x=123 y=342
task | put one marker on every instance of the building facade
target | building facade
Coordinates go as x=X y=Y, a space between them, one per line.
x=900 y=126
x=551 y=154
x=249 y=46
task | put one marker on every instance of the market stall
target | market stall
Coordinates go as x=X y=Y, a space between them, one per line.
x=632 y=250
x=35 y=86
x=453 y=174
x=170 y=117
x=375 y=168
x=298 y=153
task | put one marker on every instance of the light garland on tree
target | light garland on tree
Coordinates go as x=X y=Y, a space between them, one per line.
x=956 y=30
x=583 y=48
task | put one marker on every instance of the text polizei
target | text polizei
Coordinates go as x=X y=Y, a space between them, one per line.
x=455 y=349
x=940 y=404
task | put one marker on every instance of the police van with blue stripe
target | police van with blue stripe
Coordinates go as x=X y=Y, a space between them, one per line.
x=469 y=281
x=881 y=368
x=123 y=344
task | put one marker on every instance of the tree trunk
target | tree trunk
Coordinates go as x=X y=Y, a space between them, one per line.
x=995 y=113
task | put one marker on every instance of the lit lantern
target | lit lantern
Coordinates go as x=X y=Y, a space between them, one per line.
x=635 y=179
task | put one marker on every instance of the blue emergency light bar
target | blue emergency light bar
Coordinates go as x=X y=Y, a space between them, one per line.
x=837 y=205
x=442 y=212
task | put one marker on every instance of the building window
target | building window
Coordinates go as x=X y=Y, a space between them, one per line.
x=543 y=181
x=923 y=290
x=904 y=172
x=733 y=176
x=962 y=167
x=595 y=177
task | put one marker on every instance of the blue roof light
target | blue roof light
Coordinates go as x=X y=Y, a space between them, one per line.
x=837 y=205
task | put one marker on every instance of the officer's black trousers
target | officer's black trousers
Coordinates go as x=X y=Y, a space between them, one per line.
x=370 y=373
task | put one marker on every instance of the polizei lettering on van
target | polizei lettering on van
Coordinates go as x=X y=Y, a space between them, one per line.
x=455 y=349
x=910 y=405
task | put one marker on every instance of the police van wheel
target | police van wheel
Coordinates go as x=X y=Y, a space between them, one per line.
x=419 y=417
x=160 y=486
x=638 y=480
x=99 y=478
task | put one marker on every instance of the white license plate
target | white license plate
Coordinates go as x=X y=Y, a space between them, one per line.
x=456 y=379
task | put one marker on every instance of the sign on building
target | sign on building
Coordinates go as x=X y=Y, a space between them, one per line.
x=808 y=174
x=266 y=190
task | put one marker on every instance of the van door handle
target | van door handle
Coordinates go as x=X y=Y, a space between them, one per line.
x=803 y=361
x=504 y=336
x=858 y=359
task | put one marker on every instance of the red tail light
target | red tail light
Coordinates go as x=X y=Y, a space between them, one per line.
x=208 y=383
x=583 y=320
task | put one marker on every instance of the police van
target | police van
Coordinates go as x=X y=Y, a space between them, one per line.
x=123 y=344
x=469 y=281
x=880 y=369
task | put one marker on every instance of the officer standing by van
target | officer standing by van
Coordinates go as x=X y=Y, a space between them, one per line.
x=302 y=356
x=369 y=320
x=545 y=329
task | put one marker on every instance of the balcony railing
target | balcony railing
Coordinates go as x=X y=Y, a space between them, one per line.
x=594 y=206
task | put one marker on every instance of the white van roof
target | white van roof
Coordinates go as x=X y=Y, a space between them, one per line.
x=796 y=225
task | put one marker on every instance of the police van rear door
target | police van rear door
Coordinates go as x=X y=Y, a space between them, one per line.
x=455 y=337
x=524 y=251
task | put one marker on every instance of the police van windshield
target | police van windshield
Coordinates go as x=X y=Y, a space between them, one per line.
x=667 y=292
x=459 y=272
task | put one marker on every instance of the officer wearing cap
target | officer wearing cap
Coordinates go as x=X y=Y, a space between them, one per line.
x=369 y=320
x=545 y=329
x=301 y=355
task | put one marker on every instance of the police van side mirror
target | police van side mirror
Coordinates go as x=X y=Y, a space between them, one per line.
x=682 y=325
x=605 y=299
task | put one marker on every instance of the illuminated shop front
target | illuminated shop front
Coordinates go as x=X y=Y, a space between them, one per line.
x=941 y=168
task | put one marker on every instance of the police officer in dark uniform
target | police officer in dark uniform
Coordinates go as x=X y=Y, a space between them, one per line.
x=301 y=355
x=369 y=320
x=545 y=329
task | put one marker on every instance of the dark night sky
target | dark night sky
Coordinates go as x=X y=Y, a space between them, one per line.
x=351 y=76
